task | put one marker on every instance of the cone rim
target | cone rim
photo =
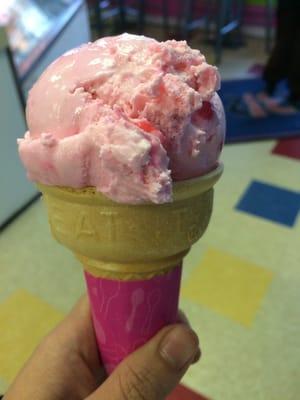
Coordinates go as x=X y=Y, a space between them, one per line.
x=181 y=190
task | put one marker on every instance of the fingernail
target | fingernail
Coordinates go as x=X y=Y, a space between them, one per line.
x=179 y=346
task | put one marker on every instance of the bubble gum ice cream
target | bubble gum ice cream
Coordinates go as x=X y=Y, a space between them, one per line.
x=124 y=139
x=127 y=115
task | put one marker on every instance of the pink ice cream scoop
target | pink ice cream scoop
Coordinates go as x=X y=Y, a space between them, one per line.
x=126 y=115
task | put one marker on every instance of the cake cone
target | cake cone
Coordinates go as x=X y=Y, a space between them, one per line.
x=132 y=256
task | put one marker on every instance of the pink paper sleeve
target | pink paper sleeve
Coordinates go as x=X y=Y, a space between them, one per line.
x=127 y=314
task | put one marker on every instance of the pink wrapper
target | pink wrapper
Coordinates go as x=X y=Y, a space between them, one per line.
x=127 y=314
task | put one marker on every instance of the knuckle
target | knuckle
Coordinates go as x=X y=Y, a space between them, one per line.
x=138 y=385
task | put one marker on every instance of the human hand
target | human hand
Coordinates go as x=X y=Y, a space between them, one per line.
x=66 y=364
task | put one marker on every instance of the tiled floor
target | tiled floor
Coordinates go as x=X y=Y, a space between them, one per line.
x=270 y=202
x=288 y=148
x=240 y=285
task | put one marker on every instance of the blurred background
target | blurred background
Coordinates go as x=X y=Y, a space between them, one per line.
x=241 y=281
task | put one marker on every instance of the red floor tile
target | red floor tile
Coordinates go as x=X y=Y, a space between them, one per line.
x=183 y=393
x=288 y=148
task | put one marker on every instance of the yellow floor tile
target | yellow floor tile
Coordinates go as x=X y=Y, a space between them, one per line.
x=24 y=320
x=228 y=285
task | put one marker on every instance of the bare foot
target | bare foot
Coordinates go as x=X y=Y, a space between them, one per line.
x=275 y=106
x=267 y=100
x=254 y=108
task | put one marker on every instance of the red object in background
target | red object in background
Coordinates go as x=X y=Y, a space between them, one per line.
x=288 y=148
x=183 y=393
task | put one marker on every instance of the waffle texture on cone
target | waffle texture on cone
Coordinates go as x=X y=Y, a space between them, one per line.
x=130 y=242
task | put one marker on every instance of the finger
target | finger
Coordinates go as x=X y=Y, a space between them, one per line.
x=79 y=315
x=182 y=318
x=81 y=318
x=152 y=372
x=77 y=324
x=81 y=309
x=76 y=332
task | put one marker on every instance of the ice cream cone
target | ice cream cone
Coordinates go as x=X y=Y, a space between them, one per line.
x=131 y=255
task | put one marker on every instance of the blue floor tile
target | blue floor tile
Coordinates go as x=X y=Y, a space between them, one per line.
x=270 y=202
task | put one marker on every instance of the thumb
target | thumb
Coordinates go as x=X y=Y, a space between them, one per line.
x=153 y=371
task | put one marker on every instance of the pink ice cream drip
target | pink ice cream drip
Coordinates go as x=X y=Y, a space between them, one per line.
x=126 y=115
